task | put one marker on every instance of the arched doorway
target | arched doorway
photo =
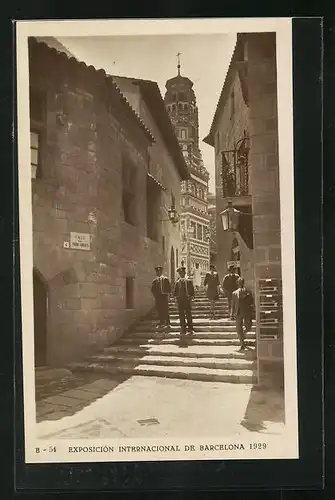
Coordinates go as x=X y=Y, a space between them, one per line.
x=172 y=267
x=40 y=319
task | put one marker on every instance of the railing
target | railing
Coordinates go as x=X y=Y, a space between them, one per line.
x=235 y=171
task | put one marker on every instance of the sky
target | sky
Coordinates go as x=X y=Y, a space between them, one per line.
x=204 y=59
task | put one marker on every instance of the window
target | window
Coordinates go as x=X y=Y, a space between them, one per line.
x=199 y=232
x=181 y=96
x=183 y=133
x=153 y=208
x=130 y=292
x=193 y=189
x=37 y=102
x=174 y=97
x=129 y=192
x=177 y=257
x=194 y=230
x=163 y=243
x=201 y=193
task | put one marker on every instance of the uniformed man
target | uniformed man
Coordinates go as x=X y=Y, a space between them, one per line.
x=184 y=294
x=212 y=282
x=161 y=289
x=242 y=311
x=229 y=285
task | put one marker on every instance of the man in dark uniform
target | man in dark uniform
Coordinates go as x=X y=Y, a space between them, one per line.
x=184 y=293
x=229 y=285
x=161 y=289
x=242 y=311
x=212 y=282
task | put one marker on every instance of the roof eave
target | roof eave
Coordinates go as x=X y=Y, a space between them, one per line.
x=209 y=140
x=179 y=159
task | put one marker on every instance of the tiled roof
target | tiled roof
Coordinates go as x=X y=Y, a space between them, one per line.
x=233 y=67
x=99 y=73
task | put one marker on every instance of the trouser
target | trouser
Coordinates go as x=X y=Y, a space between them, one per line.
x=162 y=306
x=240 y=323
x=229 y=296
x=212 y=308
x=184 y=309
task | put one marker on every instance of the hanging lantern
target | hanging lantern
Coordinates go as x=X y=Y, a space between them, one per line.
x=230 y=218
x=173 y=216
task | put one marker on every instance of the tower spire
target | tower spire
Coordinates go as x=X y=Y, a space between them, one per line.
x=178 y=66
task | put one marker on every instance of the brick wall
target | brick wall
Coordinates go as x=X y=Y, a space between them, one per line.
x=80 y=190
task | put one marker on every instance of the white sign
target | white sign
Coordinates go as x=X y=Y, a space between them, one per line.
x=80 y=241
x=235 y=263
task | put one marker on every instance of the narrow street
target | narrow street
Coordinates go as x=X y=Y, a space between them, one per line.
x=157 y=407
x=151 y=385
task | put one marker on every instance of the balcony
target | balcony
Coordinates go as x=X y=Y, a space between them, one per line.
x=235 y=171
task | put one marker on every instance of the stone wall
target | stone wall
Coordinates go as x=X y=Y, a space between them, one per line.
x=264 y=174
x=162 y=166
x=79 y=190
x=230 y=129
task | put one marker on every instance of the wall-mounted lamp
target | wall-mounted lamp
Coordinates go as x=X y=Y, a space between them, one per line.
x=173 y=215
x=230 y=217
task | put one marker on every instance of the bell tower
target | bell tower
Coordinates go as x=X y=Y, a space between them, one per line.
x=181 y=105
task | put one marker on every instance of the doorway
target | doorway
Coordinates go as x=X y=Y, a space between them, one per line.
x=172 y=267
x=40 y=319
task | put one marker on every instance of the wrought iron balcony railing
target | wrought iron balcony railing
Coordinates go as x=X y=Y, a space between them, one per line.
x=235 y=171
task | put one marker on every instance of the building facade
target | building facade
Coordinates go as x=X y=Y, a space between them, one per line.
x=244 y=134
x=165 y=163
x=96 y=238
x=212 y=228
x=180 y=103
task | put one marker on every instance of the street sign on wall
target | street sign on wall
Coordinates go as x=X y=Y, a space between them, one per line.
x=80 y=241
x=235 y=263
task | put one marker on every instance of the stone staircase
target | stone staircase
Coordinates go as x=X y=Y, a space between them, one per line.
x=211 y=354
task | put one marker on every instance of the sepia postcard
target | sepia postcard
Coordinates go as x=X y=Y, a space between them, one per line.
x=157 y=261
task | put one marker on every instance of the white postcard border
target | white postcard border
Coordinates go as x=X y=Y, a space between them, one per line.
x=284 y=446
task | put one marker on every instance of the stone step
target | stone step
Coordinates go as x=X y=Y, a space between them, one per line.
x=196 y=335
x=203 y=316
x=190 y=351
x=151 y=359
x=202 y=300
x=205 y=311
x=174 y=322
x=176 y=372
x=202 y=327
x=206 y=341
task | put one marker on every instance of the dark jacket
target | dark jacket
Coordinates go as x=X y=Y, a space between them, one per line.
x=212 y=281
x=178 y=291
x=160 y=286
x=229 y=283
x=243 y=304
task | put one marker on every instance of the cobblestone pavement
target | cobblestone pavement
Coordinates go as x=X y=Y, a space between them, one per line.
x=158 y=407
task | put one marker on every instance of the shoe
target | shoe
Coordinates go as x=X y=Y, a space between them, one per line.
x=242 y=348
x=191 y=332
